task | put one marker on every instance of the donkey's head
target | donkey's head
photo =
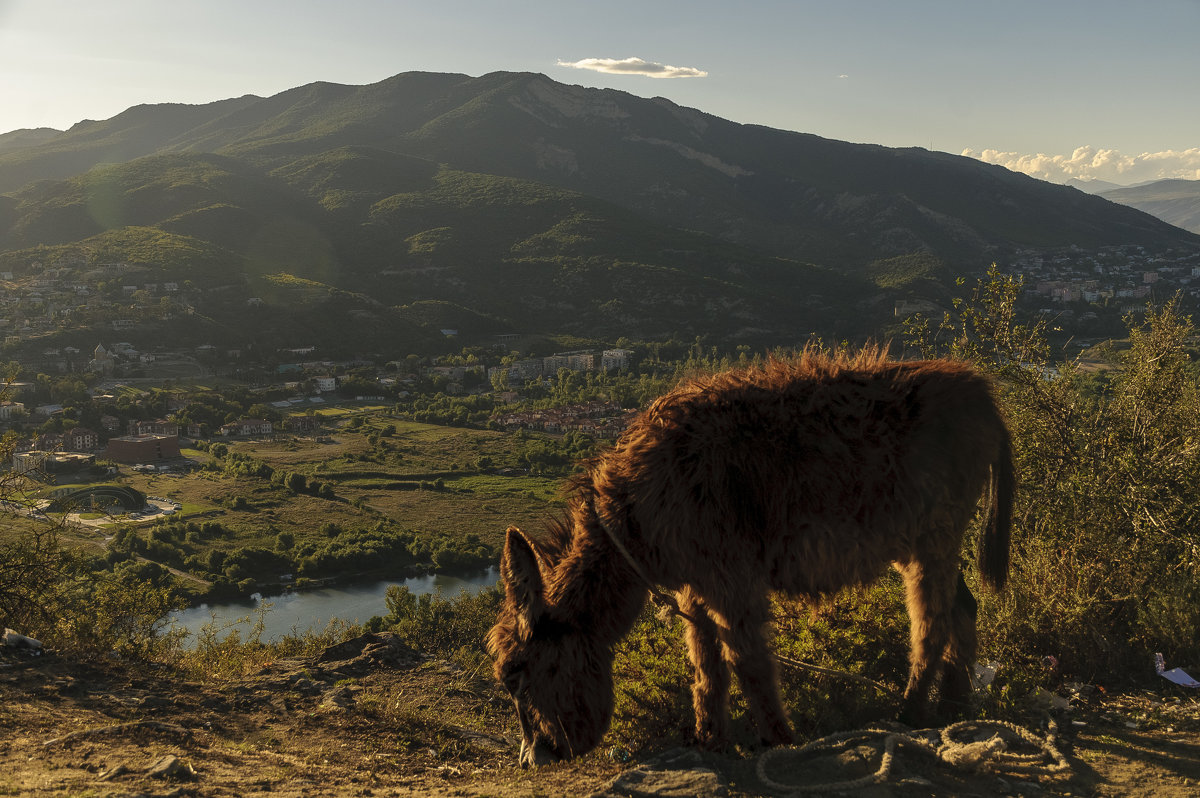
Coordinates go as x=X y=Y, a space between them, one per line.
x=560 y=678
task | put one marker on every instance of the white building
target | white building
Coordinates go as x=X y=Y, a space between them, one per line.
x=615 y=359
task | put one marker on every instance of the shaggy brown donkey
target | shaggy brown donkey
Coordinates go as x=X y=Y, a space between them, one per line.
x=804 y=476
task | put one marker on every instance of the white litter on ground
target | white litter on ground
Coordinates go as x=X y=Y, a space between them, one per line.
x=18 y=640
x=1176 y=675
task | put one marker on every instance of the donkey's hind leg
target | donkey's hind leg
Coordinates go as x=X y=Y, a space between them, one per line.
x=741 y=629
x=710 y=680
x=930 y=586
x=960 y=654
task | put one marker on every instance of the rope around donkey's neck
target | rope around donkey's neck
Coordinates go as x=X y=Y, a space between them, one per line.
x=991 y=754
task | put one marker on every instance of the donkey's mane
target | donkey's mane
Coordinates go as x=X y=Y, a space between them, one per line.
x=810 y=364
x=557 y=538
x=559 y=530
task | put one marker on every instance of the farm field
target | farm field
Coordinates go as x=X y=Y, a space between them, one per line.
x=371 y=495
x=423 y=477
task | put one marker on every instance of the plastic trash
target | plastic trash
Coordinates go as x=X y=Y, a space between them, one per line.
x=18 y=640
x=619 y=754
x=1176 y=675
x=1048 y=700
x=985 y=672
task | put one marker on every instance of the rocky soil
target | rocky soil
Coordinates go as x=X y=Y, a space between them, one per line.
x=373 y=717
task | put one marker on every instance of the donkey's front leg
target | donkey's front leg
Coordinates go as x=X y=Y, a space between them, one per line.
x=741 y=629
x=710 y=677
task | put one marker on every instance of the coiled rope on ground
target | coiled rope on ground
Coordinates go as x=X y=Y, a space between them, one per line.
x=978 y=752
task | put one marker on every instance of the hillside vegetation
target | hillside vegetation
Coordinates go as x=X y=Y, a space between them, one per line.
x=519 y=204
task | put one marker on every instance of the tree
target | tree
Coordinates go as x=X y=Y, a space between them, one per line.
x=33 y=566
x=264 y=412
x=1105 y=537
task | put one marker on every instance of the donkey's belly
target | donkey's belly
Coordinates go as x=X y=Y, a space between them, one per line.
x=816 y=560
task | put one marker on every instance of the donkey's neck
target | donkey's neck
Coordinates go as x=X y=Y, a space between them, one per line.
x=596 y=588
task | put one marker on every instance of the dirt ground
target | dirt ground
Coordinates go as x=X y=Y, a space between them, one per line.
x=373 y=717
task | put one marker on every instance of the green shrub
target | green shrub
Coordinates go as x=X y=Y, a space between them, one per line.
x=1105 y=554
x=652 y=680
x=862 y=633
x=445 y=627
x=126 y=617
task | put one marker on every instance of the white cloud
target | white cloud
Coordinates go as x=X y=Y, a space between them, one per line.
x=634 y=66
x=1090 y=163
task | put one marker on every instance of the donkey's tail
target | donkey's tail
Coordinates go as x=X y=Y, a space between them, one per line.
x=994 y=540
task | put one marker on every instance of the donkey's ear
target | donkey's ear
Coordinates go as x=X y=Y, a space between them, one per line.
x=522 y=574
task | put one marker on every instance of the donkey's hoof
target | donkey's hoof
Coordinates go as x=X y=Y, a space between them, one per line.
x=778 y=737
x=915 y=718
x=711 y=740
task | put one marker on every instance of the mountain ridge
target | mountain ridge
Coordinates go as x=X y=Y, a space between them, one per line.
x=534 y=203
x=1174 y=200
x=527 y=125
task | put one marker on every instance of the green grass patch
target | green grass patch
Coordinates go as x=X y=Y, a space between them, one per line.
x=326 y=411
x=546 y=489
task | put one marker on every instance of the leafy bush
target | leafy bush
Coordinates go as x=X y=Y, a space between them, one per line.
x=359 y=550
x=862 y=633
x=434 y=624
x=32 y=568
x=106 y=614
x=1105 y=543
x=652 y=679
x=246 y=561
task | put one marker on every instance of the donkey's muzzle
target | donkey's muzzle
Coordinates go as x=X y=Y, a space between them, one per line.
x=538 y=754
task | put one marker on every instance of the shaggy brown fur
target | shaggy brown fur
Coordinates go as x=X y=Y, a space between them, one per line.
x=804 y=476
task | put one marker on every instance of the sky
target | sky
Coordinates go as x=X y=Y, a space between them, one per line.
x=1086 y=89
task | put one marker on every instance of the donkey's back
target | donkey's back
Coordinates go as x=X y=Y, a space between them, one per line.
x=821 y=470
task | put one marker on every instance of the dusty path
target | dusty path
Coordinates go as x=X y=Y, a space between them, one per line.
x=373 y=717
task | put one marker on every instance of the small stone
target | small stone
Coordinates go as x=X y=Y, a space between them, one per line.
x=339 y=699
x=672 y=783
x=169 y=767
x=917 y=781
x=112 y=773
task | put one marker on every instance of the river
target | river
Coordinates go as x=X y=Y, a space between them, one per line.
x=298 y=611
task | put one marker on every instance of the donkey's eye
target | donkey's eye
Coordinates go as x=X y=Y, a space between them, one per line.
x=514 y=679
